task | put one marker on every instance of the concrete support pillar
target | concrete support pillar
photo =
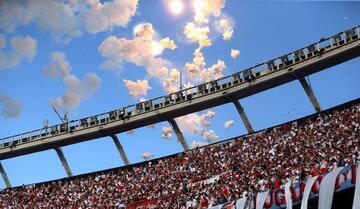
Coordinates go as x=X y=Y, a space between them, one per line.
x=178 y=133
x=120 y=149
x=310 y=94
x=4 y=175
x=243 y=116
x=63 y=161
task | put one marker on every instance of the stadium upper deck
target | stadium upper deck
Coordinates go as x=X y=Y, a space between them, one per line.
x=217 y=173
x=292 y=66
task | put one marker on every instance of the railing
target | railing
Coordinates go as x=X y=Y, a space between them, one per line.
x=259 y=70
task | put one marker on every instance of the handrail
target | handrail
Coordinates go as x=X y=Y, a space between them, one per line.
x=243 y=76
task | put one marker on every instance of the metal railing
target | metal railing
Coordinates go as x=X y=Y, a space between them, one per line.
x=259 y=70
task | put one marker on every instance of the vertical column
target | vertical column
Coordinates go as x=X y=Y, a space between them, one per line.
x=310 y=94
x=63 y=161
x=243 y=116
x=5 y=177
x=120 y=149
x=178 y=133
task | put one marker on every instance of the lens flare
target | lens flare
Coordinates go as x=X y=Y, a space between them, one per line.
x=176 y=6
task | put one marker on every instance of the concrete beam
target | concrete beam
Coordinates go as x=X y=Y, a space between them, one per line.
x=178 y=133
x=63 y=161
x=120 y=149
x=5 y=177
x=243 y=116
x=310 y=94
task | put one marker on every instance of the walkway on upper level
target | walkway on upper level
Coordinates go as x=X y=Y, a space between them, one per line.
x=296 y=65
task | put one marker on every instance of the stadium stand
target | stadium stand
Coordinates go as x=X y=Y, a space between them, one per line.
x=211 y=175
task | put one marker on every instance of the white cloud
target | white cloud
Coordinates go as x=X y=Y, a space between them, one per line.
x=56 y=17
x=195 y=144
x=59 y=66
x=21 y=48
x=66 y=19
x=203 y=118
x=147 y=155
x=197 y=71
x=166 y=132
x=197 y=65
x=224 y=24
x=214 y=72
x=142 y=50
x=235 y=53
x=76 y=91
x=103 y=16
x=228 y=35
x=171 y=83
x=229 y=123
x=199 y=34
x=12 y=14
x=205 y=8
x=137 y=88
x=195 y=122
x=167 y=43
x=9 y=107
x=209 y=135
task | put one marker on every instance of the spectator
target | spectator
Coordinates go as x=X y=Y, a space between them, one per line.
x=211 y=175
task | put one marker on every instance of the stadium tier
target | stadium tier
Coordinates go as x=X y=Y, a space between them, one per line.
x=258 y=170
x=296 y=65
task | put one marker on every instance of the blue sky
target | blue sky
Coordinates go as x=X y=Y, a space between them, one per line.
x=262 y=30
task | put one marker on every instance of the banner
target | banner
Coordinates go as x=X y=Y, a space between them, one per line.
x=301 y=192
x=327 y=188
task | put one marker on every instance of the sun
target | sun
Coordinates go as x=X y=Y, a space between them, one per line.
x=176 y=6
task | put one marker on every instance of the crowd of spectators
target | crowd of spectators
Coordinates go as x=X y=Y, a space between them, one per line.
x=210 y=175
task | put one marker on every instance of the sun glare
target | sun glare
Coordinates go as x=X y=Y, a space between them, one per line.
x=156 y=48
x=176 y=6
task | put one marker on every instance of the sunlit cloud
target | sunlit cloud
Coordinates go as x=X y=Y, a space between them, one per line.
x=205 y=8
x=228 y=35
x=199 y=34
x=147 y=155
x=167 y=43
x=193 y=123
x=197 y=65
x=137 y=88
x=171 y=83
x=234 y=53
x=156 y=48
x=143 y=50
